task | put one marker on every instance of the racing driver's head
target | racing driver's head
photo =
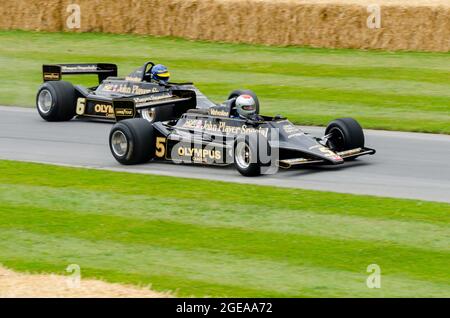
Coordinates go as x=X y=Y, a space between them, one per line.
x=160 y=73
x=245 y=106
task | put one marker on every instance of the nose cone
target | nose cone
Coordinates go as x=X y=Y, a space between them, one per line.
x=336 y=159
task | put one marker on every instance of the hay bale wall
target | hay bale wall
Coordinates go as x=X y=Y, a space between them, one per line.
x=406 y=24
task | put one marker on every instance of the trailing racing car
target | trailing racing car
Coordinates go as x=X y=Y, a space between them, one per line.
x=146 y=87
x=234 y=133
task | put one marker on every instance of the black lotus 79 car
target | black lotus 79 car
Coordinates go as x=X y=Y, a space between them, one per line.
x=59 y=100
x=217 y=136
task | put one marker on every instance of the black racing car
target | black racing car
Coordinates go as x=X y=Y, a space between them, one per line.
x=59 y=100
x=218 y=136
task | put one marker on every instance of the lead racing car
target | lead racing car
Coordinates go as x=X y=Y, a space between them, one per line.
x=234 y=133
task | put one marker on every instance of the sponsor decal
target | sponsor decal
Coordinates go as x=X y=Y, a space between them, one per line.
x=51 y=76
x=327 y=152
x=297 y=160
x=199 y=154
x=142 y=101
x=127 y=89
x=222 y=127
x=218 y=112
x=78 y=68
x=292 y=131
x=133 y=79
x=296 y=135
x=349 y=152
x=128 y=112
x=104 y=109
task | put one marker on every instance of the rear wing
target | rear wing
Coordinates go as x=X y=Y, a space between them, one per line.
x=182 y=100
x=54 y=72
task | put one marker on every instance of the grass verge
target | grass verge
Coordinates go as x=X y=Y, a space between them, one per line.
x=208 y=238
x=383 y=90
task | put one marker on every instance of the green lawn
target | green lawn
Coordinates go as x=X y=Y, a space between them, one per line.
x=383 y=90
x=207 y=238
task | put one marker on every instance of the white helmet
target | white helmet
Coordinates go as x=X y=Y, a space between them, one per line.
x=245 y=105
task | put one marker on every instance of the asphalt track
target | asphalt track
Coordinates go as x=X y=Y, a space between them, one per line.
x=407 y=165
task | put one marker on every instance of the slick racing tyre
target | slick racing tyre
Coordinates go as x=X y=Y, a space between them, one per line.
x=155 y=114
x=56 y=101
x=345 y=134
x=251 y=153
x=239 y=92
x=131 y=141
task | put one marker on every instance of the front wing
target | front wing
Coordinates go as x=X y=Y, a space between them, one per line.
x=347 y=154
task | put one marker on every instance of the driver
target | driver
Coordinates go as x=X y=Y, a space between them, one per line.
x=160 y=74
x=246 y=108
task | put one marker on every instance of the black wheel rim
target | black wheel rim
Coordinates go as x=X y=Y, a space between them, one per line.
x=336 y=140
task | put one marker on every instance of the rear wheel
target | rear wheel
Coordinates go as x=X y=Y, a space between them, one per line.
x=251 y=153
x=155 y=114
x=56 y=101
x=239 y=92
x=131 y=141
x=345 y=134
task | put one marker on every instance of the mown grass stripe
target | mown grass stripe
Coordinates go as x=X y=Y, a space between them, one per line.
x=166 y=46
x=18 y=173
x=194 y=266
x=239 y=216
x=256 y=244
x=237 y=77
x=347 y=99
x=299 y=68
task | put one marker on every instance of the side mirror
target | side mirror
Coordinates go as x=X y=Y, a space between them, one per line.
x=278 y=117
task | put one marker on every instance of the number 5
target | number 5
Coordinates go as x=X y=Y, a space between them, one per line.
x=160 y=147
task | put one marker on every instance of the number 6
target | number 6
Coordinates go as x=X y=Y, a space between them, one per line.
x=81 y=105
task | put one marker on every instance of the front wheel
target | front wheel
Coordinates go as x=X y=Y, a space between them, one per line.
x=131 y=141
x=344 y=134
